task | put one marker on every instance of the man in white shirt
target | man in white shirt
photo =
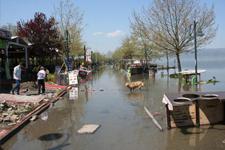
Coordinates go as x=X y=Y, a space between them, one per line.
x=41 y=80
x=17 y=78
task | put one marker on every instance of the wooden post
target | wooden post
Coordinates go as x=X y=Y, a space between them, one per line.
x=168 y=121
x=197 y=113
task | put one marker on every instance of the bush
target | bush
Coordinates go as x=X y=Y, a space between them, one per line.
x=51 y=77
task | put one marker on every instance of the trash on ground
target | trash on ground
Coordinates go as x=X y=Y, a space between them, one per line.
x=88 y=129
x=11 y=113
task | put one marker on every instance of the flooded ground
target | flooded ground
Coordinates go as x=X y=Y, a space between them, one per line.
x=124 y=124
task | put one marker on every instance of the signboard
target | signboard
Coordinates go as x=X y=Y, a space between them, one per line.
x=73 y=94
x=73 y=77
x=88 y=56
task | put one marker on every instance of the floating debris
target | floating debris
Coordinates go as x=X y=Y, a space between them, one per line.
x=33 y=118
x=223 y=141
x=44 y=116
x=88 y=129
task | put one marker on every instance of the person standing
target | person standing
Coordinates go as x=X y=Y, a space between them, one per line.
x=41 y=80
x=17 y=78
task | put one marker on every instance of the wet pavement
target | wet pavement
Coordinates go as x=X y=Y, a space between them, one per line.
x=124 y=124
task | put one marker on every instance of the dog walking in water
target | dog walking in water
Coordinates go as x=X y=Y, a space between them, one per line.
x=134 y=85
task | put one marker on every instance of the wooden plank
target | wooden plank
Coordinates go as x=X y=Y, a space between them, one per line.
x=153 y=118
x=183 y=116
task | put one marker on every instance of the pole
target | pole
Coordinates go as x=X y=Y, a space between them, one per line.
x=196 y=59
x=67 y=43
x=84 y=54
x=196 y=76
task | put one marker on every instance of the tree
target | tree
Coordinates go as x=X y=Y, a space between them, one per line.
x=42 y=33
x=168 y=25
x=71 y=19
x=98 y=58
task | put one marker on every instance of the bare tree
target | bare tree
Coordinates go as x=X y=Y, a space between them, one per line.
x=71 y=19
x=10 y=27
x=168 y=25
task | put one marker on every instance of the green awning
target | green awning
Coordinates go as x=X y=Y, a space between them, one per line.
x=2 y=43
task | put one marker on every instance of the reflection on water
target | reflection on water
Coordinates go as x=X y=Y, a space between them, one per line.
x=73 y=93
x=135 y=96
x=124 y=123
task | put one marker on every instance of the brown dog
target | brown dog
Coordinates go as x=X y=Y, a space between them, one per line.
x=134 y=85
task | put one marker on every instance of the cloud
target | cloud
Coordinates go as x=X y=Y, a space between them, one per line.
x=112 y=34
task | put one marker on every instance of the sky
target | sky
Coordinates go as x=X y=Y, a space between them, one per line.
x=106 y=22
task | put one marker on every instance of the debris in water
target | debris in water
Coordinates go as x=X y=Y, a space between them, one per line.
x=223 y=141
x=153 y=119
x=33 y=118
x=44 y=116
x=101 y=90
x=88 y=129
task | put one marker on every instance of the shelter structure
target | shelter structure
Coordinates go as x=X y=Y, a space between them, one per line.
x=12 y=50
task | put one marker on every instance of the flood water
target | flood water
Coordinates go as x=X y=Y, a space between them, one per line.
x=124 y=124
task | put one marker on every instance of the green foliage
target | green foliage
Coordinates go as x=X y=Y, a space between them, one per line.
x=98 y=58
x=174 y=75
x=51 y=77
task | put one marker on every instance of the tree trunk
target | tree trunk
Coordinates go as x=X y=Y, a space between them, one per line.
x=167 y=61
x=178 y=62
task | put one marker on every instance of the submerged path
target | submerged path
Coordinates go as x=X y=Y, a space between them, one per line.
x=124 y=123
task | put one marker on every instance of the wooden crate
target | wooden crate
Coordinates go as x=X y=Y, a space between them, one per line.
x=211 y=111
x=182 y=116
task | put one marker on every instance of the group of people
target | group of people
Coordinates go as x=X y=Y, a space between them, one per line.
x=41 y=75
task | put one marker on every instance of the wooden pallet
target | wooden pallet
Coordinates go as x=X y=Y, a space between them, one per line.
x=183 y=116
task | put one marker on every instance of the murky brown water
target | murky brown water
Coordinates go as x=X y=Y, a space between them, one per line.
x=124 y=124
